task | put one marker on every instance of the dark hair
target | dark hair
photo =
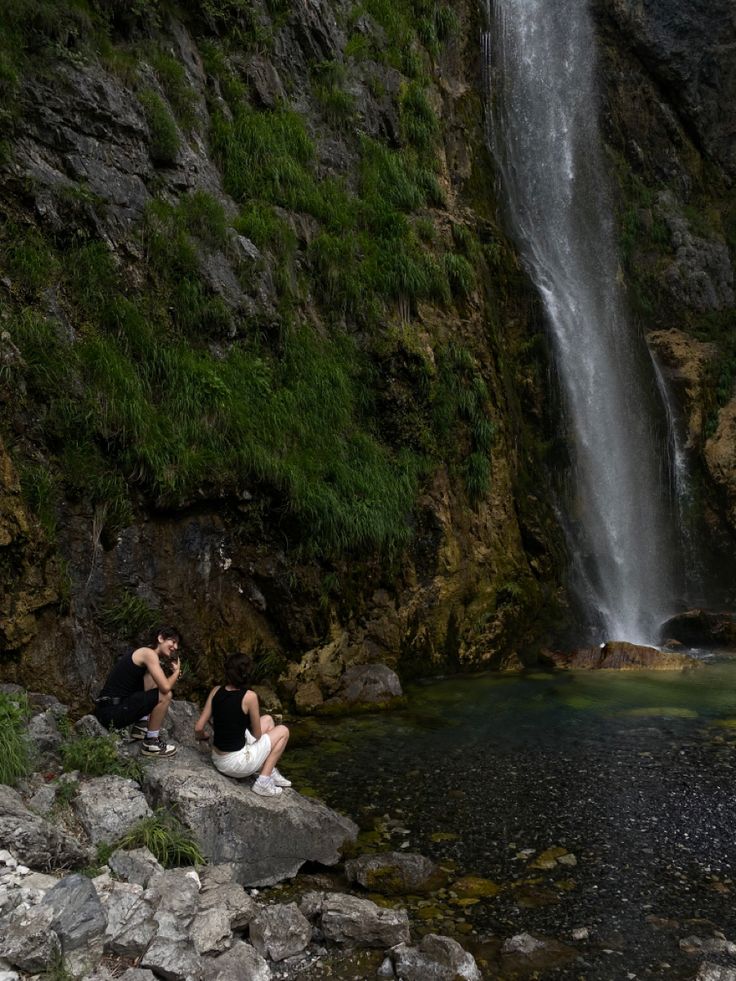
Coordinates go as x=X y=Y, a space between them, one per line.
x=168 y=633
x=238 y=669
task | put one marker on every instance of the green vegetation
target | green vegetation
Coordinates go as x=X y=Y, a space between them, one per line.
x=97 y=756
x=130 y=617
x=328 y=81
x=179 y=93
x=57 y=970
x=166 y=839
x=165 y=141
x=14 y=752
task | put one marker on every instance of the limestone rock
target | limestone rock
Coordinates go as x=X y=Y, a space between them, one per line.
x=266 y=839
x=522 y=943
x=350 y=920
x=108 y=807
x=43 y=732
x=210 y=931
x=395 y=873
x=34 y=840
x=701 y=276
x=435 y=959
x=176 y=960
x=241 y=963
x=89 y=725
x=308 y=697
x=684 y=361
x=130 y=923
x=232 y=899
x=136 y=865
x=715 y=972
x=720 y=457
x=27 y=940
x=180 y=721
x=280 y=931
x=176 y=893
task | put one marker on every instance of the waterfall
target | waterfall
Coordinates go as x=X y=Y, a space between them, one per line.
x=540 y=72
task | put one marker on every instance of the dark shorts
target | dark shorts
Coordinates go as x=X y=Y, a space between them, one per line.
x=128 y=711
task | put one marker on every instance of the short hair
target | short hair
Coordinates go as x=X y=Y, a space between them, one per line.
x=168 y=633
x=238 y=669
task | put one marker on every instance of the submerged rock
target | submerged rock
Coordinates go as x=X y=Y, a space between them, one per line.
x=395 y=873
x=618 y=655
x=265 y=839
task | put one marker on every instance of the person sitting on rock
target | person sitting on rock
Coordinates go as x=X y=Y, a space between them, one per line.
x=244 y=741
x=138 y=690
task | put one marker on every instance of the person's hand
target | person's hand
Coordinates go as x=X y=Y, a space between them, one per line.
x=201 y=735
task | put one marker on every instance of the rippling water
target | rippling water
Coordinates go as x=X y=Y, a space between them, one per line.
x=633 y=774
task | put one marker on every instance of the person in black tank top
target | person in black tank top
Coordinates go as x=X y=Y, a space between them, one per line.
x=244 y=741
x=138 y=690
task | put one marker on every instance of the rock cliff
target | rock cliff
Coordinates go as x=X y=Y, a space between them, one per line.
x=269 y=366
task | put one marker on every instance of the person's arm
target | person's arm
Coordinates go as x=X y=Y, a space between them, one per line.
x=205 y=715
x=147 y=656
x=251 y=706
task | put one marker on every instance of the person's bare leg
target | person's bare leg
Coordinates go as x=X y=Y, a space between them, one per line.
x=158 y=714
x=279 y=737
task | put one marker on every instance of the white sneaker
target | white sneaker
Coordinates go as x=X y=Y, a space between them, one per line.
x=266 y=788
x=279 y=779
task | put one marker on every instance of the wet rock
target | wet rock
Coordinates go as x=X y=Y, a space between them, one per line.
x=435 y=959
x=708 y=945
x=522 y=943
x=350 y=920
x=369 y=683
x=720 y=457
x=621 y=656
x=701 y=276
x=685 y=363
x=35 y=841
x=108 y=807
x=136 y=865
x=280 y=931
x=475 y=887
x=702 y=628
x=265 y=839
x=308 y=697
x=241 y=963
x=395 y=873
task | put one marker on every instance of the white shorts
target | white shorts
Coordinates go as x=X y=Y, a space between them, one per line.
x=246 y=761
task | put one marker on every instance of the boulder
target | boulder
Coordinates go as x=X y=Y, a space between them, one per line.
x=395 y=873
x=27 y=940
x=35 y=841
x=210 y=931
x=280 y=931
x=369 y=684
x=43 y=733
x=618 y=655
x=265 y=839
x=241 y=963
x=90 y=725
x=702 y=628
x=180 y=721
x=78 y=915
x=435 y=959
x=350 y=920
x=176 y=960
x=108 y=807
x=715 y=972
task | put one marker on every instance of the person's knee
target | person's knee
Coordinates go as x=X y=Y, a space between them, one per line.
x=267 y=723
x=281 y=734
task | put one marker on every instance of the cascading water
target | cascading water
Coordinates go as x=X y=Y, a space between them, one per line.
x=539 y=57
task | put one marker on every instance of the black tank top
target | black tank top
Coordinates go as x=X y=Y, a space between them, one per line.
x=125 y=678
x=229 y=721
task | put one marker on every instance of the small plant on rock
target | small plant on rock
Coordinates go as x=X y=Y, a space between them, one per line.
x=14 y=751
x=97 y=756
x=166 y=839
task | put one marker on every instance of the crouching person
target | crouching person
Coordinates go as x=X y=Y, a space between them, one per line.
x=244 y=741
x=138 y=692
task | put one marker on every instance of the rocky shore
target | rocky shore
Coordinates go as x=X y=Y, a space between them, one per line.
x=77 y=900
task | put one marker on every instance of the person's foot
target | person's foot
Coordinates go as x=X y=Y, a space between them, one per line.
x=266 y=788
x=157 y=747
x=279 y=779
x=138 y=730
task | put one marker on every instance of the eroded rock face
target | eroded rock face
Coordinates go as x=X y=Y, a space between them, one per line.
x=35 y=841
x=685 y=362
x=265 y=839
x=702 y=628
x=108 y=807
x=720 y=457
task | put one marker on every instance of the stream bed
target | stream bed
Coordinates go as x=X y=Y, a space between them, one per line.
x=600 y=805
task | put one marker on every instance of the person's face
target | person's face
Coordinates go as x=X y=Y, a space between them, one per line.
x=168 y=646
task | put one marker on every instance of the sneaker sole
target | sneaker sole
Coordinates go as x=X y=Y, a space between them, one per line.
x=268 y=793
x=157 y=753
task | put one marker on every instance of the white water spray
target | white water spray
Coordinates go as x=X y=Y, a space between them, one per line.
x=539 y=63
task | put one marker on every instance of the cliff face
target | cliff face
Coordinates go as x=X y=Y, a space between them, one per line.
x=272 y=370
x=270 y=367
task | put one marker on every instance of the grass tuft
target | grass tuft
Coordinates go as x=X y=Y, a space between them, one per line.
x=97 y=756
x=14 y=751
x=170 y=843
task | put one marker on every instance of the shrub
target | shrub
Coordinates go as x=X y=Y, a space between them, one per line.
x=14 y=750
x=166 y=839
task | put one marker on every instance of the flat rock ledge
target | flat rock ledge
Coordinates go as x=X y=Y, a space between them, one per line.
x=266 y=839
x=618 y=655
